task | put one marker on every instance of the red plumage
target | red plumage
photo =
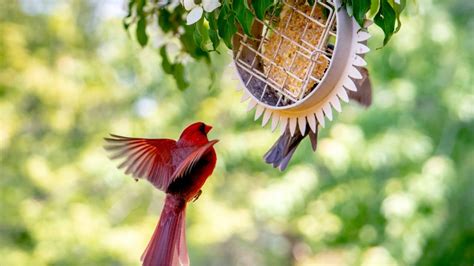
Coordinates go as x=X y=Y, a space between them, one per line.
x=178 y=168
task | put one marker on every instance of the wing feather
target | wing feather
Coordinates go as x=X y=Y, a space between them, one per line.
x=150 y=159
x=190 y=160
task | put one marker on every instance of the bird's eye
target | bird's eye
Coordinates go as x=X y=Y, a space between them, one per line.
x=202 y=128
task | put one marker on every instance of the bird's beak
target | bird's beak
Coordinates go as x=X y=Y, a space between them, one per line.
x=207 y=128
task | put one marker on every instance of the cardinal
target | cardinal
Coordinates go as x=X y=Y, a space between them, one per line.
x=281 y=152
x=179 y=168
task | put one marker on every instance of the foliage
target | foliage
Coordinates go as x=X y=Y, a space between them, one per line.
x=385 y=13
x=390 y=185
x=220 y=25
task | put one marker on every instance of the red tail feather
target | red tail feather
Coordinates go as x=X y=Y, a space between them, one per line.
x=167 y=246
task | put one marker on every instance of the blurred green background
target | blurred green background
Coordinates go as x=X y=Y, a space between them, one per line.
x=390 y=185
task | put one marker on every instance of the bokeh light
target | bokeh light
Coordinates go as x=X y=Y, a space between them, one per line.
x=389 y=185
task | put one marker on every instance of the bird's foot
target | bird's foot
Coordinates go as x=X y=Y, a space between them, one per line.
x=196 y=197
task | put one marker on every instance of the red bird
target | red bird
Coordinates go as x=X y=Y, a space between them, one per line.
x=178 y=168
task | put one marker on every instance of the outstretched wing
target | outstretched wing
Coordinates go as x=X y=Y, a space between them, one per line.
x=150 y=159
x=191 y=159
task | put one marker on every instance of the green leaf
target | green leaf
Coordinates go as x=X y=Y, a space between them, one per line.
x=197 y=37
x=385 y=19
x=165 y=61
x=211 y=18
x=374 y=9
x=201 y=35
x=165 y=20
x=359 y=9
x=140 y=7
x=243 y=15
x=213 y=30
x=226 y=26
x=398 y=11
x=261 y=7
x=311 y=2
x=142 y=37
x=126 y=23
x=214 y=36
x=179 y=76
x=176 y=69
x=189 y=45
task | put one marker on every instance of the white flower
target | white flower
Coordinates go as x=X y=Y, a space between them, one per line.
x=196 y=10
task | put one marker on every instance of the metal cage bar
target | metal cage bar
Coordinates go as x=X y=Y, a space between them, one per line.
x=260 y=67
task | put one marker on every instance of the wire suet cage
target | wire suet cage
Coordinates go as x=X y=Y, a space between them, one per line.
x=300 y=61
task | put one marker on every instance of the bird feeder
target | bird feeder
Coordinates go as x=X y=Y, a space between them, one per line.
x=299 y=64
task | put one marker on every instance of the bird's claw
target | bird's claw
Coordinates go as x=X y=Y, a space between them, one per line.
x=196 y=197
